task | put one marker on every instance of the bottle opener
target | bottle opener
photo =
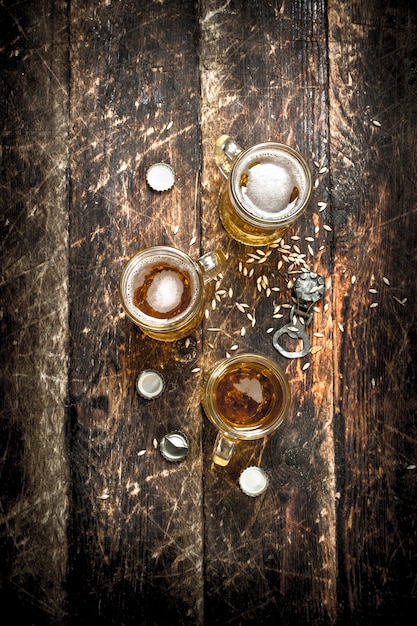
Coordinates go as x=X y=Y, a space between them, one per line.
x=308 y=289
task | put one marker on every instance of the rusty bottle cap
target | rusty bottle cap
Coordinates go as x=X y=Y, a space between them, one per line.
x=174 y=446
x=160 y=177
x=150 y=384
x=253 y=481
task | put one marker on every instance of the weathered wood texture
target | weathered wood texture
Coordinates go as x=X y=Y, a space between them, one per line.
x=34 y=308
x=134 y=101
x=92 y=94
x=373 y=137
x=264 y=78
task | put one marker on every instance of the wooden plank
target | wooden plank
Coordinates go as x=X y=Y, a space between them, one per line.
x=373 y=59
x=137 y=518
x=264 y=77
x=34 y=310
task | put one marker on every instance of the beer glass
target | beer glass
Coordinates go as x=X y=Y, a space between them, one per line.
x=246 y=397
x=268 y=187
x=162 y=290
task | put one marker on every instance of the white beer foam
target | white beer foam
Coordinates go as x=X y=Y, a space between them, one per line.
x=270 y=180
x=250 y=387
x=165 y=292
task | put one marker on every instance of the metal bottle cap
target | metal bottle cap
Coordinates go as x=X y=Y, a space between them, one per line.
x=174 y=446
x=253 y=481
x=160 y=177
x=150 y=384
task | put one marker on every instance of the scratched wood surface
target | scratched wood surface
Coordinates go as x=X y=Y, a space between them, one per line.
x=98 y=528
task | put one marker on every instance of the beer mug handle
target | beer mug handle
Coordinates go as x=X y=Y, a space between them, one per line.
x=225 y=152
x=211 y=263
x=223 y=449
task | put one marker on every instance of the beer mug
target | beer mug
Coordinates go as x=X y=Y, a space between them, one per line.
x=162 y=290
x=268 y=187
x=246 y=397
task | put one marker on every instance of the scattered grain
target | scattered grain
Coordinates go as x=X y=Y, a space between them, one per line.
x=315 y=349
x=305 y=366
x=141 y=452
x=195 y=370
x=386 y=280
x=341 y=327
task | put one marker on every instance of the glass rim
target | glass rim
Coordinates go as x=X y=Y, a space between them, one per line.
x=148 y=323
x=287 y=217
x=255 y=432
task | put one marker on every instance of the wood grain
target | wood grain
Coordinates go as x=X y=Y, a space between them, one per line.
x=34 y=309
x=264 y=80
x=96 y=526
x=137 y=538
x=373 y=52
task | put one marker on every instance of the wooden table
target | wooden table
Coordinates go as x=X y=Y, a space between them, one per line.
x=96 y=526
